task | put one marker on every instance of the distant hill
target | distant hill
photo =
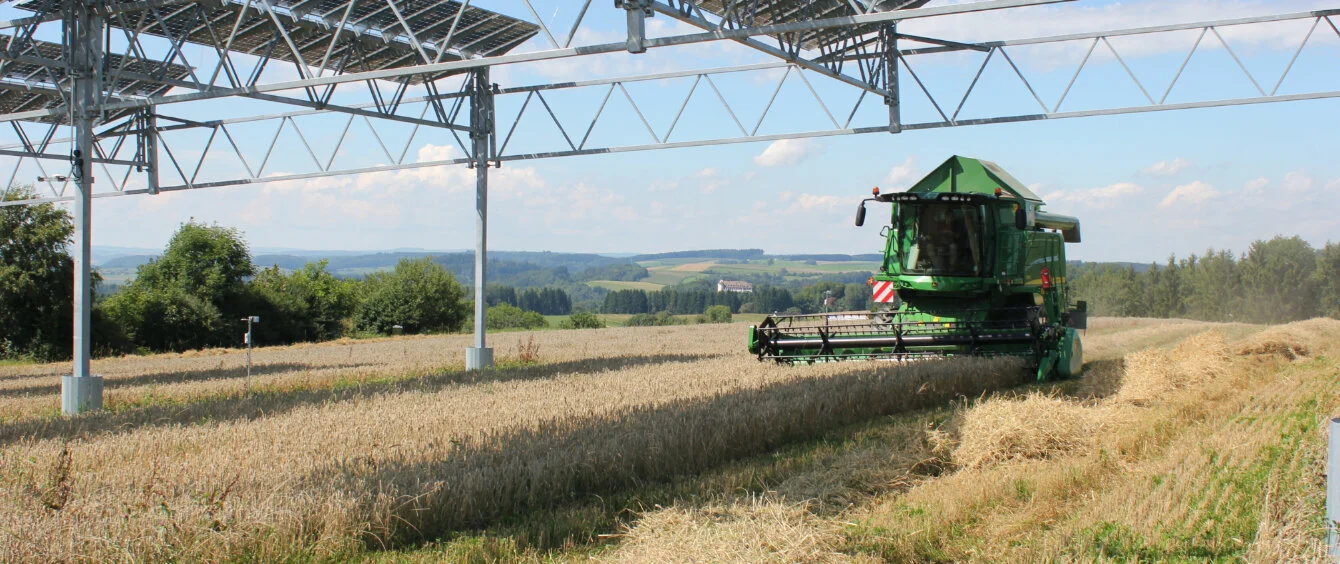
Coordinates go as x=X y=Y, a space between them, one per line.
x=871 y=257
x=126 y=262
x=734 y=254
x=754 y=254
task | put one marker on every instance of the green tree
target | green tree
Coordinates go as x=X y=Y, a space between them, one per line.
x=418 y=295
x=210 y=262
x=36 y=279
x=166 y=319
x=506 y=316
x=1213 y=285
x=583 y=320
x=190 y=297
x=718 y=314
x=1278 y=281
x=310 y=304
x=1328 y=281
x=1165 y=290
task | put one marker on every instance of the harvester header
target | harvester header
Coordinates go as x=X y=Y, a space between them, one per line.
x=972 y=266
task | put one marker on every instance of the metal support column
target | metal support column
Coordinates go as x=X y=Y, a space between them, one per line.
x=638 y=12
x=81 y=391
x=480 y=356
x=150 y=138
x=889 y=40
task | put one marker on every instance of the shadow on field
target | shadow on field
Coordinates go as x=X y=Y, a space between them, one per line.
x=177 y=377
x=268 y=402
x=1101 y=379
x=479 y=481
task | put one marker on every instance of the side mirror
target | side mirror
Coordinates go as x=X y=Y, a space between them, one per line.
x=1020 y=218
x=860 y=214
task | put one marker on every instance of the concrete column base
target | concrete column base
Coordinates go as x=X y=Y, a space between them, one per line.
x=478 y=359
x=80 y=395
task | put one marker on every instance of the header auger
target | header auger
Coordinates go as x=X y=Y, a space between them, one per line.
x=972 y=266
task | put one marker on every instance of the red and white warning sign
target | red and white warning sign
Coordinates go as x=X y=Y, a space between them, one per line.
x=884 y=292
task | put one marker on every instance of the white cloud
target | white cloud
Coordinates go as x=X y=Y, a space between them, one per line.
x=812 y=203
x=1297 y=183
x=709 y=179
x=788 y=152
x=901 y=174
x=1257 y=185
x=1102 y=197
x=1195 y=194
x=1333 y=185
x=1168 y=168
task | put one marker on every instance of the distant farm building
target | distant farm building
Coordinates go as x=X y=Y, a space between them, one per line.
x=734 y=286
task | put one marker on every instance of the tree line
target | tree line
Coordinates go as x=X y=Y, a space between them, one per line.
x=764 y=299
x=545 y=301
x=1280 y=280
x=197 y=292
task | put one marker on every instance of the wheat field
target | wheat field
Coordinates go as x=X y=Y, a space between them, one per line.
x=351 y=448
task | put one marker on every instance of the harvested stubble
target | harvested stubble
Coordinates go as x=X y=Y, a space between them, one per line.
x=757 y=529
x=1151 y=373
x=1038 y=426
x=404 y=462
x=33 y=392
x=1213 y=462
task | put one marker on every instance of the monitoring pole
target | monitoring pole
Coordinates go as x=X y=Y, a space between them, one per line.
x=480 y=356
x=248 y=338
x=82 y=391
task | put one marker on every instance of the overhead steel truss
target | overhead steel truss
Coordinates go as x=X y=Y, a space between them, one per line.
x=124 y=90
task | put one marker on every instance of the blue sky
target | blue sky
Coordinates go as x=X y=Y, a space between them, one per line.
x=1144 y=185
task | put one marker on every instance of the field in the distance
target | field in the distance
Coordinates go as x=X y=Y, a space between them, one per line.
x=635 y=444
x=668 y=272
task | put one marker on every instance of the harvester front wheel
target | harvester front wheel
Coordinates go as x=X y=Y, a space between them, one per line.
x=1071 y=362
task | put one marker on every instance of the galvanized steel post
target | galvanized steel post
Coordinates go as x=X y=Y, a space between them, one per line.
x=638 y=12
x=1333 y=490
x=81 y=391
x=889 y=39
x=481 y=134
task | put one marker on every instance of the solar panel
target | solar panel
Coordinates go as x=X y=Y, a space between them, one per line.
x=371 y=35
x=30 y=70
x=770 y=12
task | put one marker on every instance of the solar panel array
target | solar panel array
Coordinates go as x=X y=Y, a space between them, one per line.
x=371 y=35
x=30 y=71
x=771 y=12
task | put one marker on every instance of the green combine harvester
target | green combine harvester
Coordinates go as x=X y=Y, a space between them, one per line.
x=972 y=266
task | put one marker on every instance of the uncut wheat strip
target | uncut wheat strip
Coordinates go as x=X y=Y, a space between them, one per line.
x=555 y=346
x=260 y=458
x=626 y=447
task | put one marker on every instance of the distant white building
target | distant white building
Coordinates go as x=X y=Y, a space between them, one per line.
x=734 y=286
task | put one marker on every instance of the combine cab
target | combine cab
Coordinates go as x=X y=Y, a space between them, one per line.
x=972 y=266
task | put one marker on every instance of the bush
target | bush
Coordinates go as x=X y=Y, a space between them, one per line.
x=419 y=295
x=653 y=320
x=504 y=316
x=167 y=319
x=583 y=320
x=718 y=314
x=306 y=305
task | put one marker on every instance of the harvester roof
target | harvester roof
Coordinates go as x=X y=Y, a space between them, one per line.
x=972 y=176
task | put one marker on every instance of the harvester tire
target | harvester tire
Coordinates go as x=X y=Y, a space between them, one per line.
x=1071 y=363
